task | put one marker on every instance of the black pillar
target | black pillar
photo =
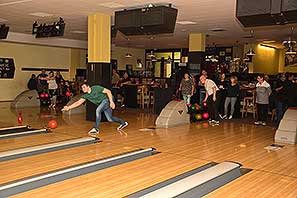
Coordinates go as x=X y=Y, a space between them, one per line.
x=97 y=74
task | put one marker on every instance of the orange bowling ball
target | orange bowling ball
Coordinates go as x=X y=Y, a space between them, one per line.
x=52 y=124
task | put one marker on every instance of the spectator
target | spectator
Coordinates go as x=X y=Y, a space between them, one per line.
x=231 y=96
x=263 y=92
x=42 y=81
x=187 y=88
x=32 y=84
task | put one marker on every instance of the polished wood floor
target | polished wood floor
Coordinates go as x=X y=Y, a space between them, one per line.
x=182 y=148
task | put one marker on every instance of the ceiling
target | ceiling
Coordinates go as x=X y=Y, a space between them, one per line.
x=207 y=15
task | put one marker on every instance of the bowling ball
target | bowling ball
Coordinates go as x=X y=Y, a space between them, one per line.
x=198 y=116
x=46 y=95
x=42 y=95
x=197 y=106
x=205 y=115
x=192 y=109
x=204 y=104
x=52 y=124
x=68 y=93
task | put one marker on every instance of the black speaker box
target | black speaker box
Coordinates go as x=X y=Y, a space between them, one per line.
x=289 y=10
x=254 y=12
x=146 y=21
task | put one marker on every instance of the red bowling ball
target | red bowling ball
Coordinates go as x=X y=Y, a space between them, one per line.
x=205 y=115
x=52 y=124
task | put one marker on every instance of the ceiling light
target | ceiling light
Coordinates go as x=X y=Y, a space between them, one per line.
x=151 y=55
x=40 y=14
x=128 y=55
x=251 y=52
x=290 y=43
x=186 y=22
x=269 y=41
x=14 y=2
x=291 y=51
x=111 y=5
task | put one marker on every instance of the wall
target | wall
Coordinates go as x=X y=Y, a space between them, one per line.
x=119 y=53
x=266 y=59
x=25 y=55
x=37 y=56
x=282 y=67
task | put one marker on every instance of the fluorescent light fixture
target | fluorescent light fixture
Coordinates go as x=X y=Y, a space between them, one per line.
x=263 y=45
x=111 y=5
x=269 y=41
x=217 y=30
x=3 y=20
x=78 y=32
x=40 y=14
x=14 y=2
x=186 y=22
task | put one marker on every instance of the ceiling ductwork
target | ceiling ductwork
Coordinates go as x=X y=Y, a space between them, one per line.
x=252 y=13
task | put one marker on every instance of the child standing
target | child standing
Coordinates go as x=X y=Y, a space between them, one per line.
x=187 y=88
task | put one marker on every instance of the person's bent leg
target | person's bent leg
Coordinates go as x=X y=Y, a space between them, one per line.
x=99 y=110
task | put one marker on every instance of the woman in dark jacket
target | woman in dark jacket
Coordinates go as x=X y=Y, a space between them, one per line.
x=232 y=93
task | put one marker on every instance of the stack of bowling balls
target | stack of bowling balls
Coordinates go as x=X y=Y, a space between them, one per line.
x=198 y=112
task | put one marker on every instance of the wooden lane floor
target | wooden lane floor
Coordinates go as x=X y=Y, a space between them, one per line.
x=121 y=180
x=258 y=184
x=185 y=146
x=230 y=141
x=27 y=141
x=42 y=163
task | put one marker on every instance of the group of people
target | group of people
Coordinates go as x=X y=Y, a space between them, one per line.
x=52 y=83
x=221 y=94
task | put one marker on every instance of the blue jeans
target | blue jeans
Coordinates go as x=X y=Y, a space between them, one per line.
x=187 y=98
x=104 y=107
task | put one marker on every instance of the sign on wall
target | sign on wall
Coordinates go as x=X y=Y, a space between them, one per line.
x=7 y=68
x=290 y=60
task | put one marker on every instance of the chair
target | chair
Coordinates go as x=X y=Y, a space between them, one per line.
x=143 y=98
x=249 y=104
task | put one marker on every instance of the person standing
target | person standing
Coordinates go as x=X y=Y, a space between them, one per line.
x=42 y=81
x=125 y=81
x=187 y=88
x=115 y=78
x=280 y=97
x=263 y=91
x=101 y=97
x=52 y=88
x=212 y=96
x=32 y=84
x=222 y=85
x=231 y=97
